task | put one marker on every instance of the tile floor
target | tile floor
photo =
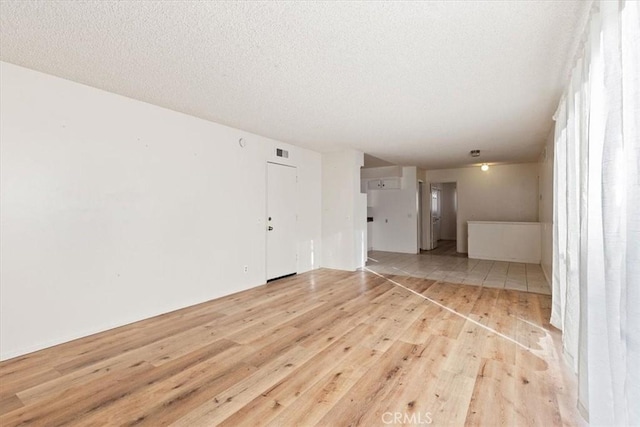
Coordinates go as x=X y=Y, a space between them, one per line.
x=445 y=265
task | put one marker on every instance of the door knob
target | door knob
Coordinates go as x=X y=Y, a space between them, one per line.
x=270 y=228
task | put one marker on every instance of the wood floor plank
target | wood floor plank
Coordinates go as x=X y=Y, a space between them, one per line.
x=103 y=369
x=94 y=344
x=10 y=403
x=241 y=393
x=495 y=388
x=374 y=386
x=26 y=380
x=283 y=394
x=166 y=401
x=131 y=342
x=453 y=392
x=418 y=394
x=70 y=404
x=330 y=389
x=322 y=348
x=536 y=400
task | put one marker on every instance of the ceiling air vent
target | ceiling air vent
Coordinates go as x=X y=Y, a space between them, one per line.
x=282 y=153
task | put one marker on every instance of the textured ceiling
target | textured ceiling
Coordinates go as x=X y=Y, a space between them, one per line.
x=413 y=83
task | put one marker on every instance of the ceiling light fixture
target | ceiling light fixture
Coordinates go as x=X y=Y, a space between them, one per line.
x=484 y=167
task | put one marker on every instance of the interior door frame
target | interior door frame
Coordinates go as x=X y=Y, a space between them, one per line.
x=420 y=215
x=432 y=188
x=428 y=218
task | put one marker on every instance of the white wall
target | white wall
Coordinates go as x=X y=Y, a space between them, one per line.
x=395 y=226
x=505 y=241
x=503 y=193
x=448 y=222
x=545 y=212
x=381 y=172
x=344 y=211
x=114 y=210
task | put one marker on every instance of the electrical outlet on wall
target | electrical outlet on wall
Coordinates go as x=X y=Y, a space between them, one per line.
x=246 y=268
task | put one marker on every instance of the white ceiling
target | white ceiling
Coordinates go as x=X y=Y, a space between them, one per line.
x=413 y=83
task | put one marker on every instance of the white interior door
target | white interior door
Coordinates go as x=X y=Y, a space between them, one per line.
x=281 y=220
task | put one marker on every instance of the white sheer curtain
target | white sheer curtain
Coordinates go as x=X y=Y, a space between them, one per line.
x=596 y=263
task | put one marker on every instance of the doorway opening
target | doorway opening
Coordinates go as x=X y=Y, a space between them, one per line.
x=443 y=213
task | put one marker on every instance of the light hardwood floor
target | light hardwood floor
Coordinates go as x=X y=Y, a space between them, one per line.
x=322 y=348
